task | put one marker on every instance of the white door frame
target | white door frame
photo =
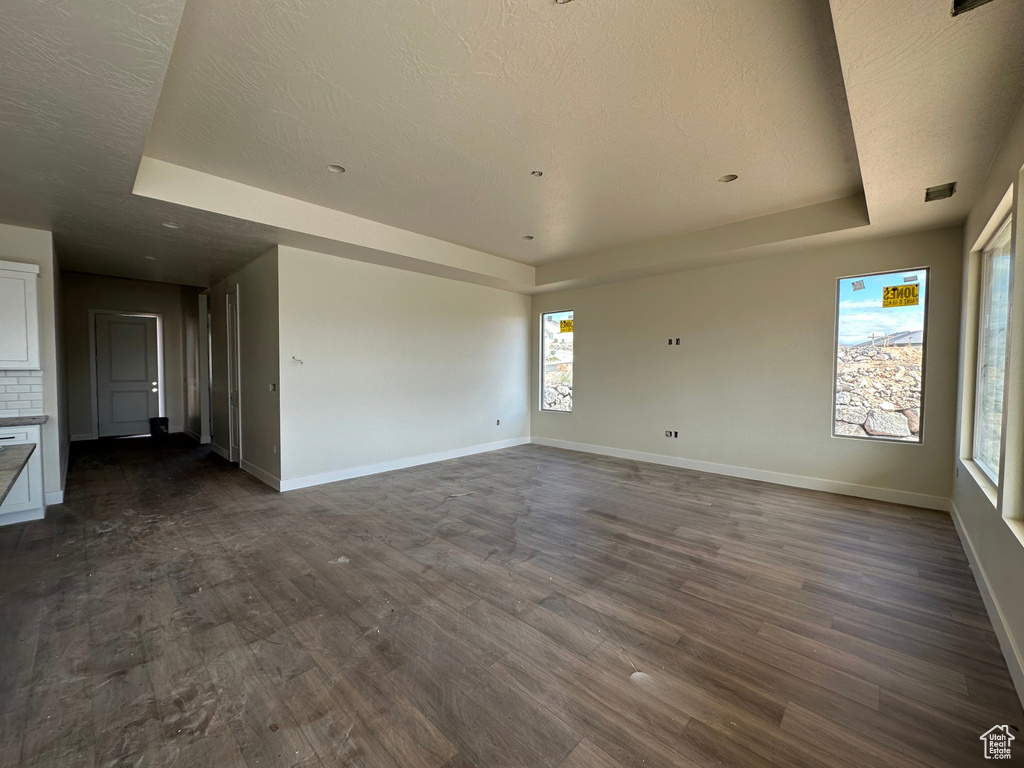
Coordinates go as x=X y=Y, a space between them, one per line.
x=94 y=388
x=235 y=345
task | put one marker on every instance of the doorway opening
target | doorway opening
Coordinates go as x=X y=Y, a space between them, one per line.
x=127 y=371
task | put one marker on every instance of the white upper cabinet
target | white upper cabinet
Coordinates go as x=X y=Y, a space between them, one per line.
x=19 y=316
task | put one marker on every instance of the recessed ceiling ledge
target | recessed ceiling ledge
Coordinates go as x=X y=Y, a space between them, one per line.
x=318 y=228
x=697 y=249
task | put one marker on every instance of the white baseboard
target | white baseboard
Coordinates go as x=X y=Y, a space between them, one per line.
x=261 y=474
x=84 y=436
x=222 y=452
x=1011 y=651
x=909 y=498
x=54 y=497
x=294 y=483
x=197 y=437
x=22 y=517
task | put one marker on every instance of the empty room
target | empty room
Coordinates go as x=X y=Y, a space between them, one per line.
x=299 y=465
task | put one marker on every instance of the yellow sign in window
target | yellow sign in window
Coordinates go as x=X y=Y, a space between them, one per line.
x=565 y=326
x=900 y=295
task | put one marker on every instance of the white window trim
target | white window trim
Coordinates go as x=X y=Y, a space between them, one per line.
x=1007 y=500
x=983 y=290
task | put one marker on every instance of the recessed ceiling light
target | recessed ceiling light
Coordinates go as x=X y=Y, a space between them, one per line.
x=537 y=173
x=172 y=225
x=728 y=177
x=335 y=168
x=527 y=237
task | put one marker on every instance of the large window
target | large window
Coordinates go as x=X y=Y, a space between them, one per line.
x=993 y=318
x=556 y=361
x=880 y=346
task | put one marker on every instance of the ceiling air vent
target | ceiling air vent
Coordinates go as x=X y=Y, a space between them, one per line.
x=940 y=192
x=963 y=6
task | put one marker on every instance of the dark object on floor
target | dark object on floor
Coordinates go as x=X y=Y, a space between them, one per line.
x=158 y=426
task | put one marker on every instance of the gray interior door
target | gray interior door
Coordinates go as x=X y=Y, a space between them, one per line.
x=127 y=374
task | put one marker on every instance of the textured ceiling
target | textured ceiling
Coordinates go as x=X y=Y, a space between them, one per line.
x=932 y=98
x=440 y=110
x=79 y=84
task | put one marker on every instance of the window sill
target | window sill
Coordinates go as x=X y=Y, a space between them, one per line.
x=1017 y=526
x=878 y=439
x=982 y=480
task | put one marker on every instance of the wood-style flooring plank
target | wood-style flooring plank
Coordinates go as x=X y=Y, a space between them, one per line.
x=521 y=608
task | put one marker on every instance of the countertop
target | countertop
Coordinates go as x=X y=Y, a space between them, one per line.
x=22 y=421
x=13 y=459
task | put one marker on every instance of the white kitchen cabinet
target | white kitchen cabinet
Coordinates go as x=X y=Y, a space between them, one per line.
x=26 y=499
x=19 y=316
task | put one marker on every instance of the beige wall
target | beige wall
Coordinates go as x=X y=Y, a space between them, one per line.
x=219 y=369
x=257 y=285
x=190 y=365
x=83 y=292
x=60 y=363
x=396 y=367
x=750 y=386
x=196 y=365
x=35 y=246
x=990 y=522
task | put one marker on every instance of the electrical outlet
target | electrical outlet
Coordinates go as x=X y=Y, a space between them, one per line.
x=670 y=342
x=668 y=433
x=498 y=423
x=675 y=434
x=273 y=387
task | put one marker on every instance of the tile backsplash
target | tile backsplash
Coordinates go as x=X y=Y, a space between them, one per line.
x=21 y=393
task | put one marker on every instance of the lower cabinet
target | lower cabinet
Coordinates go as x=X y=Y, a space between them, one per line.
x=27 y=499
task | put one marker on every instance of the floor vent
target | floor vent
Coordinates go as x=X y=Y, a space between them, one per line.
x=940 y=192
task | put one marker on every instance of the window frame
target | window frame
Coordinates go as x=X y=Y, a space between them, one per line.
x=540 y=361
x=924 y=357
x=983 y=295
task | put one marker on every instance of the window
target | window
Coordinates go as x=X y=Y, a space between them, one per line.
x=556 y=361
x=880 y=347
x=993 y=319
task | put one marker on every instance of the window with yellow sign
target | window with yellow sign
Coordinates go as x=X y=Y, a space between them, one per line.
x=880 y=350
x=556 y=361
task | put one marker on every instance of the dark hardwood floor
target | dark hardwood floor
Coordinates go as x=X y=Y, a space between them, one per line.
x=528 y=607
